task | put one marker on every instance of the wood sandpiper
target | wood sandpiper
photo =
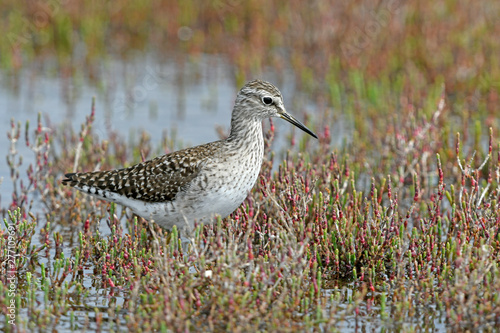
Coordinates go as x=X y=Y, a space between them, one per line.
x=198 y=183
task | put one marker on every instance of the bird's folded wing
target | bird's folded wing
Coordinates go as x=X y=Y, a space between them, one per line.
x=156 y=180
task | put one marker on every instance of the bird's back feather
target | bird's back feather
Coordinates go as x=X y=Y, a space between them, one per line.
x=156 y=180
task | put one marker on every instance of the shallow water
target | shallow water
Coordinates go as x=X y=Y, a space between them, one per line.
x=132 y=96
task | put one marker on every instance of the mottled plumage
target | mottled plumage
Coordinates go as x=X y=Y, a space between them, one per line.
x=157 y=180
x=200 y=182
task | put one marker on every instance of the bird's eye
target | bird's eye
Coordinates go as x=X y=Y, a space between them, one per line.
x=267 y=100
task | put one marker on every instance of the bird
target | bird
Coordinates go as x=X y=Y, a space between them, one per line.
x=199 y=183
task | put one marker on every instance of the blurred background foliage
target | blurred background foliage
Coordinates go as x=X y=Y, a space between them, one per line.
x=365 y=45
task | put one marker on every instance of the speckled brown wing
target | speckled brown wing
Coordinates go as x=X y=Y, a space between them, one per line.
x=156 y=180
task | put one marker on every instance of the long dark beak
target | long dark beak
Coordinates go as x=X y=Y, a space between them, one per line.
x=291 y=119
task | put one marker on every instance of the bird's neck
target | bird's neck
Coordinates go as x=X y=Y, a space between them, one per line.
x=246 y=133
